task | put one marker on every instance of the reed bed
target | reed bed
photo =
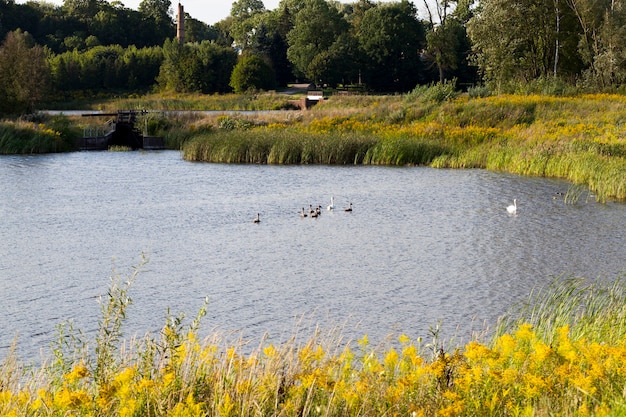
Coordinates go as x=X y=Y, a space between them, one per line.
x=561 y=353
x=266 y=146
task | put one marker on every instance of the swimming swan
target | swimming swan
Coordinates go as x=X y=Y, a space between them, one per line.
x=513 y=207
x=256 y=219
x=332 y=204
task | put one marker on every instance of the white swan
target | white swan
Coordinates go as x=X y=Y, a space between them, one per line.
x=332 y=204
x=513 y=207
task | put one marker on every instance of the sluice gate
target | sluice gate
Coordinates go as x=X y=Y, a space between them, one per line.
x=119 y=131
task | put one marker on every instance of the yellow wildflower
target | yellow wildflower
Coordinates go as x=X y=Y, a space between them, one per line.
x=5 y=397
x=128 y=407
x=506 y=344
x=66 y=398
x=525 y=332
x=269 y=351
x=78 y=372
x=391 y=359
x=168 y=378
x=541 y=352
x=565 y=347
x=227 y=406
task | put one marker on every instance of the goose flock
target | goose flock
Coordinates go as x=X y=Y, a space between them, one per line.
x=313 y=212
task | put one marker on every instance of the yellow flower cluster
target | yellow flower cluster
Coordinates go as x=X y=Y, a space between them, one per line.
x=519 y=373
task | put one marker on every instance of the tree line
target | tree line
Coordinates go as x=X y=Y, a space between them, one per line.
x=94 y=45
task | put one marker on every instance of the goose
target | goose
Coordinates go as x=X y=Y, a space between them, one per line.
x=314 y=214
x=303 y=214
x=256 y=219
x=311 y=210
x=332 y=204
x=513 y=207
x=348 y=208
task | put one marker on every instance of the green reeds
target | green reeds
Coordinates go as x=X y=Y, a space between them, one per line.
x=278 y=147
x=593 y=310
x=404 y=151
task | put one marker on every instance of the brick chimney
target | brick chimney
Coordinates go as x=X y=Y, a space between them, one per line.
x=180 y=25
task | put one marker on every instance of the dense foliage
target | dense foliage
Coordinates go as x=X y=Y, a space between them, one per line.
x=547 y=46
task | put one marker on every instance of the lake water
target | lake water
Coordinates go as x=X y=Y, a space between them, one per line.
x=420 y=246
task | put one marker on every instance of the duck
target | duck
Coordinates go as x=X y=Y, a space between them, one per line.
x=257 y=219
x=513 y=207
x=349 y=208
x=302 y=213
x=332 y=204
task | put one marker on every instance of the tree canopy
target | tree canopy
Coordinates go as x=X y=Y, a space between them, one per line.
x=97 y=45
x=23 y=73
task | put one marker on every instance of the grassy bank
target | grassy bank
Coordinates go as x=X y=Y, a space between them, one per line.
x=560 y=354
x=579 y=139
x=29 y=137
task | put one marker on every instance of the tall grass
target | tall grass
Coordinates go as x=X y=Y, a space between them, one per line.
x=562 y=353
x=593 y=311
x=282 y=147
x=30 y=137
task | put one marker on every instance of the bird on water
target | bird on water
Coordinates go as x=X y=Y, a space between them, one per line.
x=513 y=207
x=257 y=219
x=349 y=208
x=332 y=204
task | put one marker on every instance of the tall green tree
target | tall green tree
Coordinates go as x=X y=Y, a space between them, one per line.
x=317 y=25
x=197 y=31
x=447 y=41
x=244 y=15
x=392 y=39
x=84 y=10
x=339 y=64
x=515 y=41
x=252 y=73
x=602 y=47
x=157 y=16
x=23 y=73
x=270 y=42
x=203 y=67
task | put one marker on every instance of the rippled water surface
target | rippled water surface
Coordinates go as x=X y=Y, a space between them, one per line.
x=420 y=246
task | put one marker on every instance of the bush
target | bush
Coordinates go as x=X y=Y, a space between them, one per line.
x=437 y=93
x=252 y=73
